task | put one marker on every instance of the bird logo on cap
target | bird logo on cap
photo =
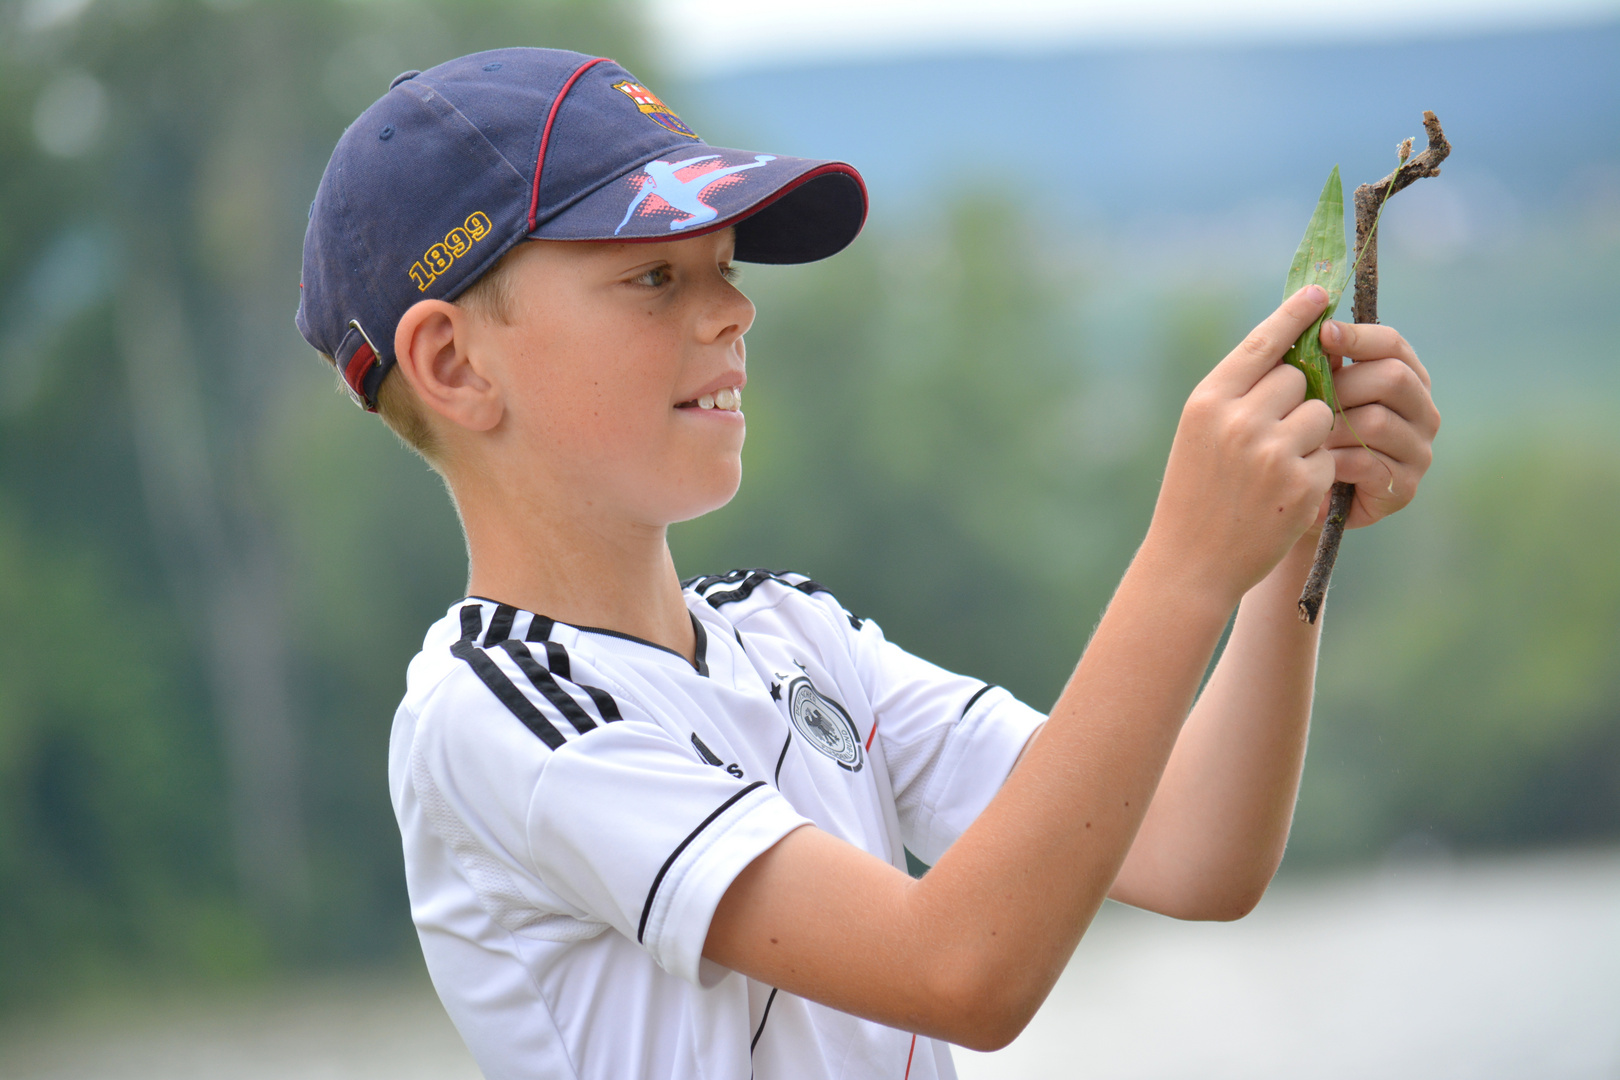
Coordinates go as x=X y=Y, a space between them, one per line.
x=684 y=195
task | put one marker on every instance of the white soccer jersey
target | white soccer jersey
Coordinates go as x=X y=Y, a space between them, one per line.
x=574 y=802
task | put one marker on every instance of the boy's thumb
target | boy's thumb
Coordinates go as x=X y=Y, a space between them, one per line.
x=1263 y=349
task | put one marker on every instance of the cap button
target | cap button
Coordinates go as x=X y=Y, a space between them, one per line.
x=402 y=76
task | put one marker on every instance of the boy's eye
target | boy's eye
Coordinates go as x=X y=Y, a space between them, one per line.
x=658 y=275
x=730 y=272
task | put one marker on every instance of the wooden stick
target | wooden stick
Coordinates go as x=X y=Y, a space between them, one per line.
x=1369 y=199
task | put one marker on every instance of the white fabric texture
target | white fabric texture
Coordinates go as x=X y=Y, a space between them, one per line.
x=574 y=803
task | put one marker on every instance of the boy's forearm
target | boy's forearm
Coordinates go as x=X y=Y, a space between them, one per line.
x=1092 y=773
x=1215 y=833
x=969 y=952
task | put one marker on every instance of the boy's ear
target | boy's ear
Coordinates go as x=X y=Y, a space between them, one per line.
x=432 y=351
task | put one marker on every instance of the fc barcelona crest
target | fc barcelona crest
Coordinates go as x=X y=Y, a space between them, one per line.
x=650 y=105
x=824 y=724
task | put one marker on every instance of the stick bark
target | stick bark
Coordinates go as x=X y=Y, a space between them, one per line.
x=1369 y=200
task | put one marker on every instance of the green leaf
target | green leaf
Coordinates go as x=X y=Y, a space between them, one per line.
x=1322 y=259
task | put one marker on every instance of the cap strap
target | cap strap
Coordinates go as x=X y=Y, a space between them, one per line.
x=358 y=366
x=545 y=136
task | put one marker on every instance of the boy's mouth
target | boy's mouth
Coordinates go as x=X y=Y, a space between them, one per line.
x=726 y=399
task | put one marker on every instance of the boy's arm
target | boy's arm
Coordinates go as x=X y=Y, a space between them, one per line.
x=969 y=952
x=1214 y=836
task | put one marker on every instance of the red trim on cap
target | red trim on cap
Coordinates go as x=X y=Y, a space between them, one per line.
x=545 y=136
x=727 y=222
x=358 y=368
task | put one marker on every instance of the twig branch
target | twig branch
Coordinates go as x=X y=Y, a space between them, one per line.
x=1369 y=200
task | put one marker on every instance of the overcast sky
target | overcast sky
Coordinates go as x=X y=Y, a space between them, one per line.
x=704 y=36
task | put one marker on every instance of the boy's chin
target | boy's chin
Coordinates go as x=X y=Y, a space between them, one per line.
x=708 y=497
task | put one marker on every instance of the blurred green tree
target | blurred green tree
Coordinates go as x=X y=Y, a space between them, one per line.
x=156 y=159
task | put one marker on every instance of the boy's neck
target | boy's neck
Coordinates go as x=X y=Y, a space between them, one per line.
x=578 y=569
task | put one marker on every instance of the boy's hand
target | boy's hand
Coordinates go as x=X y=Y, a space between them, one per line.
x=1385 y=398
x=1248 y=471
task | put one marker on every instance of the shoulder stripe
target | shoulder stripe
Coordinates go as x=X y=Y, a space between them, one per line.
x=742 y=592
x=604 y=703
x=543 y=682
x=505 y=692
x=539 y=628
x=500 y=625
x=983 y=690
x=746 y=581
x=472 y=621
x=652 y=893
x=563 y=668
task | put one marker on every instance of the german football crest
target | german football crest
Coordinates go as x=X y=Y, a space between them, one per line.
x=654 y=109
x=824 y=724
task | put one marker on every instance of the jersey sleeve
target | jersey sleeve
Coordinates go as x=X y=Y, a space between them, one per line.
x=950 y=741
x=568 y=818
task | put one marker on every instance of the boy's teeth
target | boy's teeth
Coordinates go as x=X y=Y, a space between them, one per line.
x=726 y=400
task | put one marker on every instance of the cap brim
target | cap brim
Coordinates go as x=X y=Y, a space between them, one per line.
x=785 y=209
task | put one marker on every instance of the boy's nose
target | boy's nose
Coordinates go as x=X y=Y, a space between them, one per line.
x=730 y=314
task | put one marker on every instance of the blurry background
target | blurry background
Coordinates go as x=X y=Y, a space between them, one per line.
x=213 y=569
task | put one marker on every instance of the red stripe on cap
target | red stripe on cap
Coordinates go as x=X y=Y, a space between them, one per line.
x=545 y=136
x=358 y=367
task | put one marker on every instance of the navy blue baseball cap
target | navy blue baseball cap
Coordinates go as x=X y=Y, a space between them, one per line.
x=453 y=166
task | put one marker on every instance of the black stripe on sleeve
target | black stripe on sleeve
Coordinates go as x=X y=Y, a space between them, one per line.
x=764 y=1016
x=472 y=621
x=539 y=628
x=500 y=625
x=709 y=581
x=508 y=694
x=543 y=682
x=604 y=703
x=983 y=690
x=557 y=660
x=563 y=668
x=646 y=909
x=742 y=592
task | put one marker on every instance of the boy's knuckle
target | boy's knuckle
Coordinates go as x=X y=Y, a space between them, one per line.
x=1376 y=420
x=1257 y=345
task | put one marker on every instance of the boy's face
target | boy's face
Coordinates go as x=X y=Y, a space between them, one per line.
x=601 y=370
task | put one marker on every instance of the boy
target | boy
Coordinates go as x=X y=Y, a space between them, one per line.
x=655 y=830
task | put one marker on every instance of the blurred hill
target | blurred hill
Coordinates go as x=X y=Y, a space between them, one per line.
x=1174 y=167
x=1129 y=135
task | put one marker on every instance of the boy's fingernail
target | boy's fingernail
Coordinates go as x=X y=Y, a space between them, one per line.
x=1316 y=294
x=1331 y=331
